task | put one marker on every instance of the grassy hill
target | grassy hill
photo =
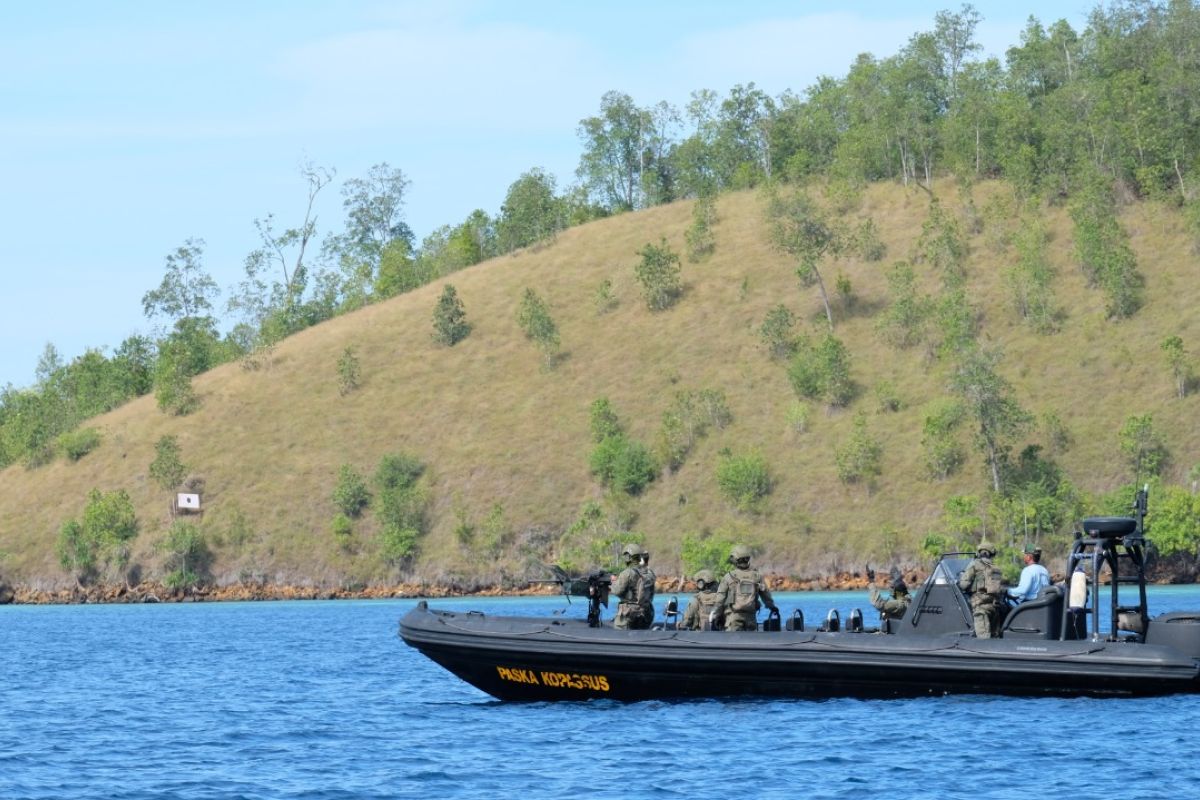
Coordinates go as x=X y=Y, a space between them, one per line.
x=495 y=428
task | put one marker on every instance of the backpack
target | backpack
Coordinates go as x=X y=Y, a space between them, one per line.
x=745 y=595
x=992 y=578
x=643 y=589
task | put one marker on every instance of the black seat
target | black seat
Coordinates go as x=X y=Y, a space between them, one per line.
x=1109 y=527
x=1039 y=618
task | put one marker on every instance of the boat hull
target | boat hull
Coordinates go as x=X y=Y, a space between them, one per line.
x=522 y=658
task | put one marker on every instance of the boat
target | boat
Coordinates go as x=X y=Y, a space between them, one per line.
x=1059 y=644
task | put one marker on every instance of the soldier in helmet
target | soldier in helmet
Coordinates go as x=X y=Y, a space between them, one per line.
x=982 y=582
x=742 y=592
x=634 y=589
x=889 y=607
x=704 y=612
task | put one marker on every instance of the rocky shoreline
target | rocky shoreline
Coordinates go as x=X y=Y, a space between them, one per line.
x=151 y=592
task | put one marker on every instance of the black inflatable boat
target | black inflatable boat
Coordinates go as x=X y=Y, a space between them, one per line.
x=1054 y=645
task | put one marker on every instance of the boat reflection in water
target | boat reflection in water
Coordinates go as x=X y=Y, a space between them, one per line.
x=1053 y=645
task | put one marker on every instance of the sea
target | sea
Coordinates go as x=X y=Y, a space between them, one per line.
x=321 y=700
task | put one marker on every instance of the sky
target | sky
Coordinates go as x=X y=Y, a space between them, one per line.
x=127 y=127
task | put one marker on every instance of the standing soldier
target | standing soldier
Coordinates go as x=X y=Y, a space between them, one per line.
x=634 y=589
x=742 y=592
x=703 y=613
x=981 y=580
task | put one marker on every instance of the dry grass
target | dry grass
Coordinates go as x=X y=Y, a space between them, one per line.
x=494 y=427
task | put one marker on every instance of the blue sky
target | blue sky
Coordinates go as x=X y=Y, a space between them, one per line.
x=128 y=127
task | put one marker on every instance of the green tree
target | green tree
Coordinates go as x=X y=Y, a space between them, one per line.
x=822 y=371
x=987 y=398
x=100 y=540
x=903 y=323
x=943 y=454
x=860 y=457
x=450 y=324
x=350 y=493
x=615 y=145
x=744 y=480
x=186 y=291
x=802 y=230
x=699 y=236
x=186 y=557
x=531 y=212
x=1179 y=363
x=658 y=273
x=777 y=333
x=622 y=464
x=1143 y=446
x=374 y=208
x=400 y=506
x=173 y=384
x=1030 y=279
x=533 y=316
x=603 y=420
x=349 y=371
x=167 y=469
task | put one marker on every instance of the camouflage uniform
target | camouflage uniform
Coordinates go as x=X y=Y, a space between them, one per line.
x=635 y=583
x=698 y=612
x=889 y=607
x=973 y=581
x=743 y=620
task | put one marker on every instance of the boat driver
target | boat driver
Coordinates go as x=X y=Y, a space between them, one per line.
x=1034 y=577
x=742 y=592
x=634 y=589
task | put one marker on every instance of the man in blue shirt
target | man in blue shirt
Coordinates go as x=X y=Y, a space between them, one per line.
x=1034 y=577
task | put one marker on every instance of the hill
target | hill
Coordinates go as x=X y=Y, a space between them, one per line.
x=506 y=441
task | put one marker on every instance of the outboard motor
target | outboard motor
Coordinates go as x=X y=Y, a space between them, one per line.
x=854 y=622
x=833 y=621
x=795 y=621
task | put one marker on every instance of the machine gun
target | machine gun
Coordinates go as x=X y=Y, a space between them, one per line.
x=594 y=586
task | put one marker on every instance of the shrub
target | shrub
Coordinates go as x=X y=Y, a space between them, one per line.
x=777 y=333
x=343 y=528
x=101 y=537
x=167 y=469
x=187 y=557
x=823 y=371
x=868 y=242
x=699 y=235
x=604 y=421
x=349 y=372
x=350 y=493
x=939 y=439
x=623 y=465
x=604 y=299
x=400 y=507
x=1143 y=446
x=687 y=420
x=533 y=316
x=78 y=443
x=859 y=459
x=450 y=324
x=744 y=480
x=658 y=273
x=797 y=417
x=173 y=386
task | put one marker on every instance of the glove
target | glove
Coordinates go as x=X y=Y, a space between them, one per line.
x=870 y=574
x=773 y=607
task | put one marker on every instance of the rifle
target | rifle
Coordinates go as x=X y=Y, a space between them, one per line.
x=594 y=586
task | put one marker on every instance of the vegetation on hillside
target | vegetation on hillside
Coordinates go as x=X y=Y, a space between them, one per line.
x=995 y=290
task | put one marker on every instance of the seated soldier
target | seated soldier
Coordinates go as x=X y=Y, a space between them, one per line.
x=703 y=613
x=889 y=607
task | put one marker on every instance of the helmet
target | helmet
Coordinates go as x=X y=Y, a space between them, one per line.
x=986 y=549
x=899 y=586
x=738 y=553
x=704 y=577
x=633 y=551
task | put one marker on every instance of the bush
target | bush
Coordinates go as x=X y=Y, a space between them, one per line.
x=400 y=506
x=603 y=420
x=699 y=235
x=350 y=493
x=822 y=371
x=623 y=465
x=78 y=443
x=860 y=457
x=744 y=480
x=604 y=299
x=939 y=438
x=349 y=372
x=167 y=469
x=658 y=273
x=450 y=324
x=533 y=316
x=187 y=557
x=101 y=538
x=343 y=528
x=777 y=333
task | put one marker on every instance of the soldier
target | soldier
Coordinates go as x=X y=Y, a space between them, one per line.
x=889 y=607
x=981 y=580
x=703 y=613
x=634 y=589
x=742 y=592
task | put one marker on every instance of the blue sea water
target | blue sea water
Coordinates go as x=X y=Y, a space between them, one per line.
x=321 y=700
